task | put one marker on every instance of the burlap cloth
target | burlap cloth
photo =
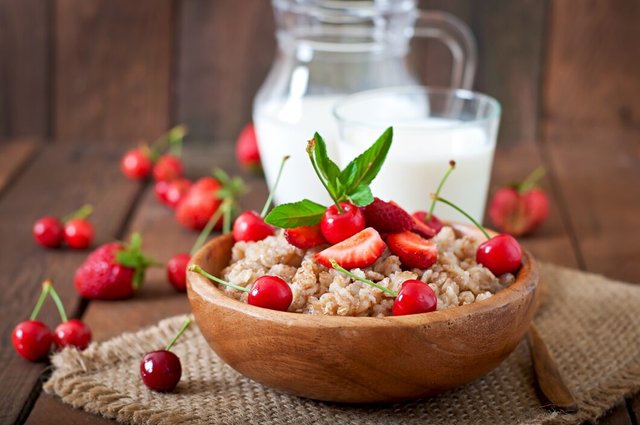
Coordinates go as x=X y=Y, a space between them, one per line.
x=590 y=324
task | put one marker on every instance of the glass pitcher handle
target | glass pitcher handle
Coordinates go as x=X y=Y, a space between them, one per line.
x=458 y=38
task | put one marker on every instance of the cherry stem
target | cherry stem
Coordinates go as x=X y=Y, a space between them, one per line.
x=175 y=137
x=310 y=147
x=184 y=327
x=206 y=231
x=452 y=165
x=457 y=208
x=273 y=189
x=57 y=301
x=532 y=179
x=46 y=287
x=83 y=212
x=226 y=221
x=197 y=269
x=338 y=267
x=174 y=133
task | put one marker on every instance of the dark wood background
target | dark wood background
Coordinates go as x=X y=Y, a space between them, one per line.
x=117 y=70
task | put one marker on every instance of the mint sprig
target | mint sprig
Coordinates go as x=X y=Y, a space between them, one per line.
x=350 y=184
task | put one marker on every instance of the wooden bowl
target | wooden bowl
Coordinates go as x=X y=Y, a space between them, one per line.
x=360 y=359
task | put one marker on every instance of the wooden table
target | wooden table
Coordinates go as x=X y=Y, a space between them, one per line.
x=593 y=226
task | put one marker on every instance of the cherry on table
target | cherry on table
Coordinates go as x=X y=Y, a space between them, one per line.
x=161 y=370
x=177 y=271
x=337 y=225
x=168 y=167
x=73 y=333
x=78 y=233
x=136 y=164
x=48 y=232
x=32 y=340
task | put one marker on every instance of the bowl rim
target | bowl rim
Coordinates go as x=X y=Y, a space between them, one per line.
x=527 y=280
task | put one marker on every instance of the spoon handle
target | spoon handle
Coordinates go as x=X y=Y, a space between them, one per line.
x=555 y=394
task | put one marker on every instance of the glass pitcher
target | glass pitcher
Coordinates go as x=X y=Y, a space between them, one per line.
x=328 y=49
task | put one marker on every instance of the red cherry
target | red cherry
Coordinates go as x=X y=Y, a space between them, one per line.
x=177 y=189
x=177 y=271
x=48 y=232
x=250 y=227
x=32 y=340
x=501 y=254
x=169 y=167
x=78 y=233
x=160 y=189
x=136 y=164
x=73 y=333
x=337 y=227
x=414 y=297
x=270 y=292
x=161 y=370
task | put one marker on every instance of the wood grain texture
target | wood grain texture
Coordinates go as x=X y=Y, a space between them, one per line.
x=305 y=355
x=591 y=131
x=14 y=156
x=225 y=50
x=48 y=407
x=49 y=186
x=25 y=48
x=510 y=45
x=112 y=69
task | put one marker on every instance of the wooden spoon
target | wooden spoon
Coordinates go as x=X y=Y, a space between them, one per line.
x=553 y=391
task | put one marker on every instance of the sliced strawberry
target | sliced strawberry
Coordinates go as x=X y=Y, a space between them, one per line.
x=387 y=217
x=305 y=237
x=433 y=223
x=413 y=250
x=421 y=228
x=359 y=250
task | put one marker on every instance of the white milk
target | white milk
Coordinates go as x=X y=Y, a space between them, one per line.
x=283 y=128
x=418 y=159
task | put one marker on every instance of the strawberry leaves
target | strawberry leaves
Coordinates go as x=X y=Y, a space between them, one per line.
x=131 y=256
x=350 y=184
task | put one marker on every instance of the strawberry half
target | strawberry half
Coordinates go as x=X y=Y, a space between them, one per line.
x=113 y=271
x=413 y=250
x=305 y=237
x=359 y=250
x=421 y=227
x=387 y=217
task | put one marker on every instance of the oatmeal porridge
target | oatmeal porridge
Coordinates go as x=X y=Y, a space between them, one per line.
x=456 y=278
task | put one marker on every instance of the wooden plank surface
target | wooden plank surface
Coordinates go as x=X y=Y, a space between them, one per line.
x=225 y=50
x=25 y=70
x=112 y=69
x=49 y=185
x=14 y=156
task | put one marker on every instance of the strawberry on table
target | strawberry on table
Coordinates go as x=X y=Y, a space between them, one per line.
x=413 y=250
x=199 y=203
x=113 y=271
x=359 y=250
x=247 y=152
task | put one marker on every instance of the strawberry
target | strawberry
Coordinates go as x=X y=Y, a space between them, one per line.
x=359 y=250
x=413 y=250
x=520 y=208
x=305 y=237
x=387 y=217
x=199 y=203
x=113 y=271
x=247 y=152
x=423 y=227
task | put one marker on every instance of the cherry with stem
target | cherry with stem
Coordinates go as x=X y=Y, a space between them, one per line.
x=78 y=231
x=414 y=296
x=500 y=254
x=161 y=370
x=32 y=339
x=251 y=227
x=72 y=332
x=267 y=291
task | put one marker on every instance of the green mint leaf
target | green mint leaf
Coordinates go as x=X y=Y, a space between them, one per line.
x=364 y=168
x=301 y=213
x=327 y=167
x=362 y=196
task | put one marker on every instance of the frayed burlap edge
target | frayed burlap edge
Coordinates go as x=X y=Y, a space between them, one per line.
x=72 y=378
